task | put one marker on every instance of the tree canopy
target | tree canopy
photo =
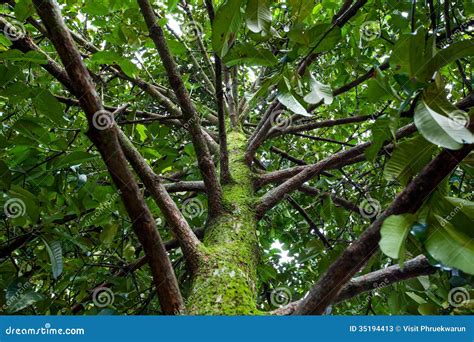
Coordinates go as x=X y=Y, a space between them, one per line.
x=236 y=157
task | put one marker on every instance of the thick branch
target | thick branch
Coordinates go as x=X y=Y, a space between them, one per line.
x=108 y=145
x=175 y=219
x=413 y=268
x=357 y=254
x=305 y=173
x=205 y=162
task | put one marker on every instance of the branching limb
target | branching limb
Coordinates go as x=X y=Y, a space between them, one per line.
x=224 y=154
x=107 y=143
x=413 y=268
x=205 y=162
x=175 y=219
x=327 y=289
x=270 y=199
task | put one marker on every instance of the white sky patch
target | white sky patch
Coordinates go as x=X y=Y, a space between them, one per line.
x=405 y=14
x=174 y=25
x=284 y=258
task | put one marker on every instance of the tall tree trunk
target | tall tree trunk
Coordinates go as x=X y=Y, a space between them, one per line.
x=225 y=283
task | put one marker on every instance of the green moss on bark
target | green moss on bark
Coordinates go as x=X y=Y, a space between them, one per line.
x=226 y=281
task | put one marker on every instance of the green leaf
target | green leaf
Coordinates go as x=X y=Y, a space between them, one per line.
x=46 y=104
x=258 y=16
x=408 y=158
x=450 y=246
x=300 y=9
x=290 y=102
x=319 y=92
x=141 y=129
x=247 y=54
x=408 y=53
x=26 y=202
x=380 y=133
x=74 y=158
x=394 y=232
x=6 y=175
x=325 y=41
x=439 y=129
x=226 y=23
x=55 y=253
x=96 y=7
x=24 y=9
x=287 y=99
x=108 y=233
x=459 y=212
x=18 y=56
x=19 y=295
x=110 y=57
x=446 y=56
x=379 y=88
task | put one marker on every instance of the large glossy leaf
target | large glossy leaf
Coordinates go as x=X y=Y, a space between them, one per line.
x=258 y=16
x=394 y=232
x=55 y=253
x=110 y=57
x=30 y=56
x=247 y=54
x=319 y=92
x=439 y=129
x=226 y=23
x=409 y=52
x=408 y=158
x=450 y=246
x=445 y=56
x=289 y=101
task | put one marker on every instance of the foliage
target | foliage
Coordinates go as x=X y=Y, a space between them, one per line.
x=79 y=234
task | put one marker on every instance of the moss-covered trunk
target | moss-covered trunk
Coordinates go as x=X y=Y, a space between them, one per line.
x=226 y=282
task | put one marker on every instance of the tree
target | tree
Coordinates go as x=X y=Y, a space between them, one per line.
x=337 y=131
